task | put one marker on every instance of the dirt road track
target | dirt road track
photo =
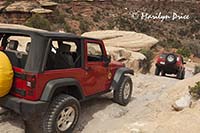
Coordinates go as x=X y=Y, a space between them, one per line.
x=101 y=115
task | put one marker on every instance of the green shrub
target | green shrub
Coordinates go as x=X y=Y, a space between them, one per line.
x=63 y=1
x=196 y=69
x=84 y=26
x=37 y=21
x=149 y=59
x=170 y=43
x=8 y=2
x=59 y=17
x=195 y=28
x=183 y=32
x=195 y=48
x=67 y=27
x=185 y=52
x=97 y=16
x=195 y=91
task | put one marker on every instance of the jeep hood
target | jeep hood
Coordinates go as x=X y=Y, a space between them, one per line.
x=116 y=64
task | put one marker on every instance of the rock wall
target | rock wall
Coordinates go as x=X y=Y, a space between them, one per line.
x=123 y=46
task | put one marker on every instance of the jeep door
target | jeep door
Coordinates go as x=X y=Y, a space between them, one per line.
x=97 y=72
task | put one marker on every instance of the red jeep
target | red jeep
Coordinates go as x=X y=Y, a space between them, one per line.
x=53 y=72
x=169 y=63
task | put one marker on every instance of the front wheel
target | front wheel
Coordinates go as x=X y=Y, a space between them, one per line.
x=181 y=74
x=157 y=71
x=62 y=115
x=122 y=95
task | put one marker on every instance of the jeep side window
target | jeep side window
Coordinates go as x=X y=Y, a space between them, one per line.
x=63 y=54
x=95 y=52
x=17 y=49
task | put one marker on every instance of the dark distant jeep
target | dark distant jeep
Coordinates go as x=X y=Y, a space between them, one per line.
x=53 y=72
x=169 y=63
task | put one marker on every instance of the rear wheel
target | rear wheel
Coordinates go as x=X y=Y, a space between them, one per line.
x=157 y=71
x=62 y=115
x=122 y=95
x=181 y=74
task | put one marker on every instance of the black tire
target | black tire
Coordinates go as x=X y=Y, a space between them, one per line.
x=183 y=74
x=163 y=73
x=178 y=75
x=157 y=71
x=119 y=94
x=59 y=104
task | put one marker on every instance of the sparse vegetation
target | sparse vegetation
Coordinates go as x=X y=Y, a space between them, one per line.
x=149 y=59
x=97 y=16
x=195 y=91
x=37 y=21
x=195 y=28
x=185 y=52
x=59 y=17
x=170 y=43
x=183 y=32
x=84 y=26
x=8 y=2
x=195 y=48
x=196 y=69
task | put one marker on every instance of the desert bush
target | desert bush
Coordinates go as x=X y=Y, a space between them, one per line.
x=97 y=16
x=84 y=26
x=170 y=43
x=195 y=28
x=59 y=17
x=37 y=21
x=148 y=61
x=196 y=69
x=195 y=49
x=7 y=2
x=195 y=91
x=185 y=52
x=183 y=32
x=63 y=1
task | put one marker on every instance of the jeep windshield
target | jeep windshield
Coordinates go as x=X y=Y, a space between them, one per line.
x=163 y=56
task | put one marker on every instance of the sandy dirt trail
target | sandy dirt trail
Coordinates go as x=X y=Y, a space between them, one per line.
x=101 y=115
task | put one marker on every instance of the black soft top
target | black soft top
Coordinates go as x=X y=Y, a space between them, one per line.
x=39 y=43
x=21 y=29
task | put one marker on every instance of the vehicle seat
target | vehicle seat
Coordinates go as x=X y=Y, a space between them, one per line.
x=63 y=58
x=12 y=52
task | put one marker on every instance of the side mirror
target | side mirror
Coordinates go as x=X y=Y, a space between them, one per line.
x=107 y=60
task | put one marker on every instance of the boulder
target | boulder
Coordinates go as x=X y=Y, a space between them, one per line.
x=22 y=6
x=2 y=5
x=121 y=45
x=129 y=58
x=123 y=39
x=41 y=11
x=183 y=102
x=48 y=3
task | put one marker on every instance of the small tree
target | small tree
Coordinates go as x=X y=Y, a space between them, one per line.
x=149 y=59
x=195 y=91
x=196 y=69
x=38 y=21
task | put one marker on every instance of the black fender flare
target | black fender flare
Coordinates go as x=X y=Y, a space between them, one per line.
x=118 y=77
x=53 y=85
